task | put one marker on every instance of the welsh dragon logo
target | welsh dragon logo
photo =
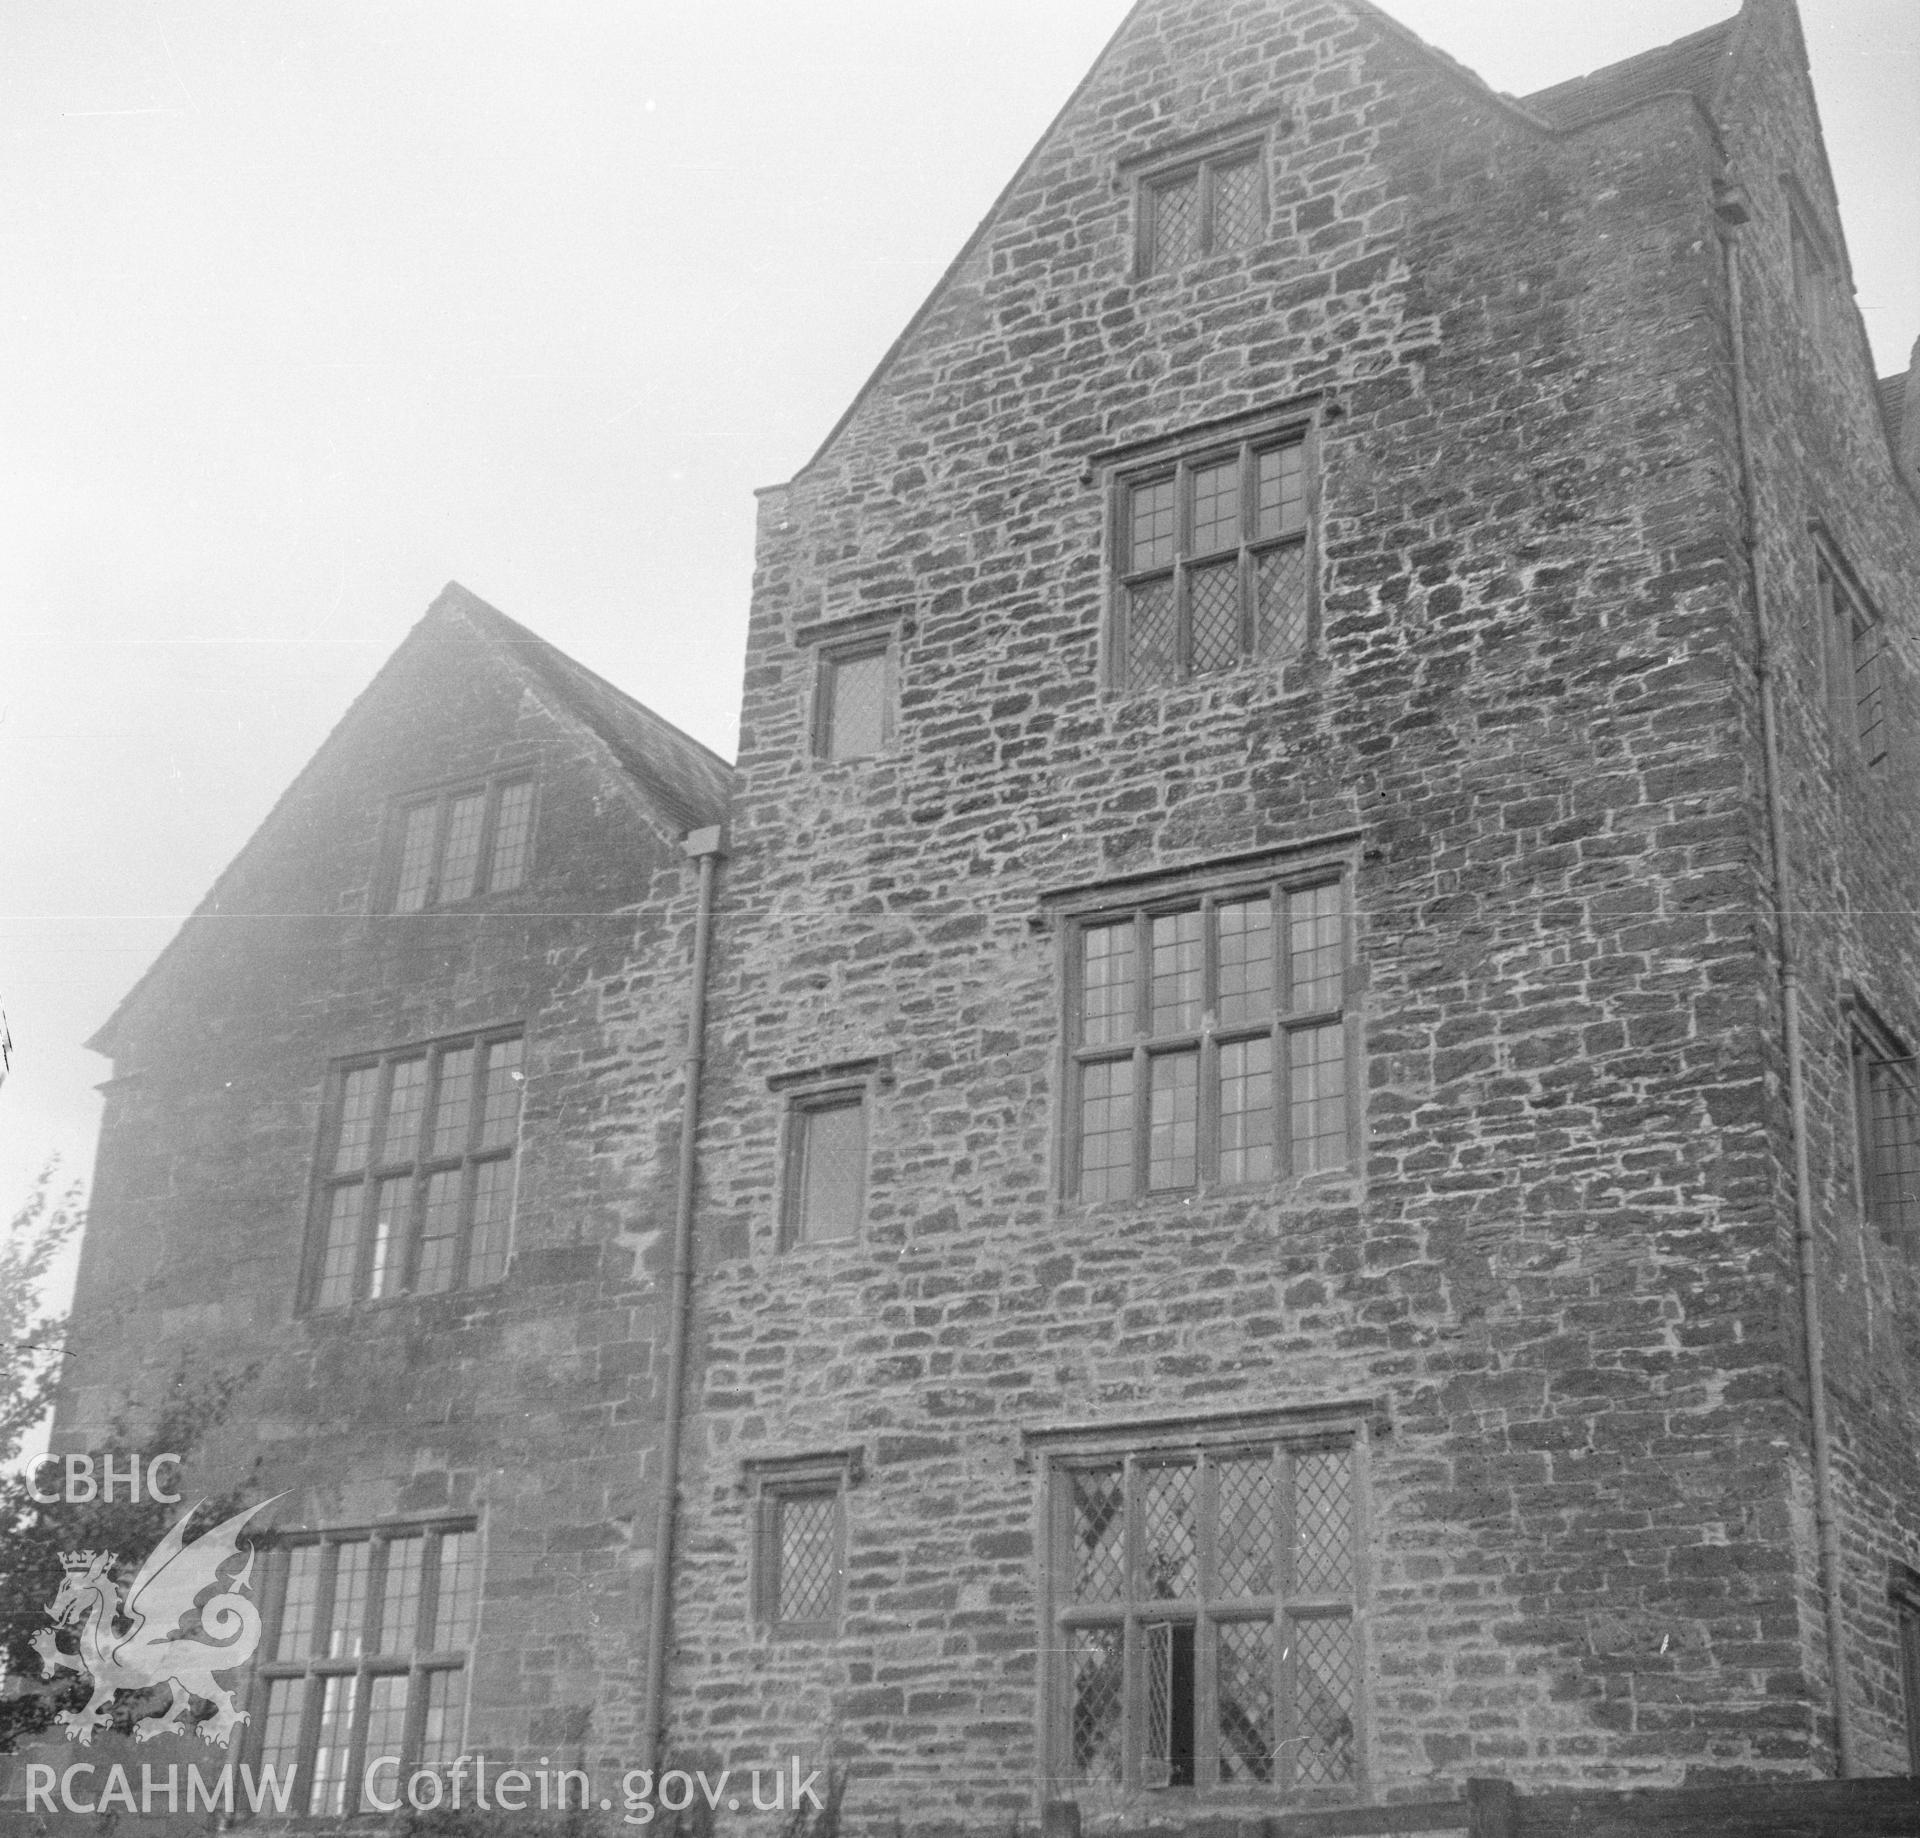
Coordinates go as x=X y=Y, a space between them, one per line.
x=154 y=1648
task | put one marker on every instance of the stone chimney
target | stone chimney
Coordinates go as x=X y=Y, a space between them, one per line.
x=1910 y=416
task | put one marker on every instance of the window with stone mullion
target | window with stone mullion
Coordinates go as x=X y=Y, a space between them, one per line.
x=1201 y=561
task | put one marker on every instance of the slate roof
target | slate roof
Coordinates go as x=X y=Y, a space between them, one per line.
x=1691 y=63
x=689 y=782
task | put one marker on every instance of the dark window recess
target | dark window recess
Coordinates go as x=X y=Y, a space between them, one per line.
x=1214 y=206
x=1209 y=1041
x=826 y=1167
x=1212 y=560
x=416 y=1183
x=1204 y=1616
x=367 y=1642
x=853 y=718
x=1887 y=1113
x=458 y=844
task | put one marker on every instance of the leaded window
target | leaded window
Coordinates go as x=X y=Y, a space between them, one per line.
x=1203 y=1600
x=853 y=714
x=826 y=1166
x=368 y=1638
x=1856 y=640
x=1209 y=1040
x=799 y=1555
x=415 y=1194
x=1212 y=560
x=452 y=846
x=1887 y=1119
x=1211 y=206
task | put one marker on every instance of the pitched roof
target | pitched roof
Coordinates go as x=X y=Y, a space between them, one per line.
x=1893 y=405
x=1692 y=63
x=687 y=783
x=691 y=783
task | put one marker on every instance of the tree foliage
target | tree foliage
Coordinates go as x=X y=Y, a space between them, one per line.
x=34 y=1533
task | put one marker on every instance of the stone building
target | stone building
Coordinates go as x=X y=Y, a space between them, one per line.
x=1307 y=1169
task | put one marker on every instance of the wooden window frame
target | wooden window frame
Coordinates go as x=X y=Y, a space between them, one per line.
x=1878 y=1056
x=802 y=1106
x=1206 y=894
x=441 y=800
x=1852 y=640
x=773 y=1484
x=1203 y=169
x=417 y=1663
x=417 y=1168
x=1179 y=464
x=829 y=659
x=1281 y=1435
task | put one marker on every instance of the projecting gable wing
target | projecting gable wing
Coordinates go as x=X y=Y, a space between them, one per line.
x=480 y=772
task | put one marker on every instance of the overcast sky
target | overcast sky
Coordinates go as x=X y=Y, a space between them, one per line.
x=306 y=309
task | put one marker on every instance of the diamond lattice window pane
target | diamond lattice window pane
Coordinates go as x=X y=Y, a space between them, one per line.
x=857 y=706
x=1244 y=1651
x=1168 y=1567
x=1150 y=633
x=1245 y=1533
x=1323 y=1519
x=833 y=1171
x=512 y=833
x=1214 y=598
x=1096 y=1675
x=1282 y=594
x=1156 y=1668
x=416 y=858
x=1323 y=1701
x=1099 y=1521
x=808 y=1573
x=1176 y=221
x=1236 y=205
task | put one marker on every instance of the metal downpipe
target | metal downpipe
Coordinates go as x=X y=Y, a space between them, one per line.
x=704 y=846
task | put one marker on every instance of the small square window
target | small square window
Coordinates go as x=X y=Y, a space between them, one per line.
x=826 y=1166
x=454 y=845
x=1210 y=206
x=854 y=714
x=799 y=1546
